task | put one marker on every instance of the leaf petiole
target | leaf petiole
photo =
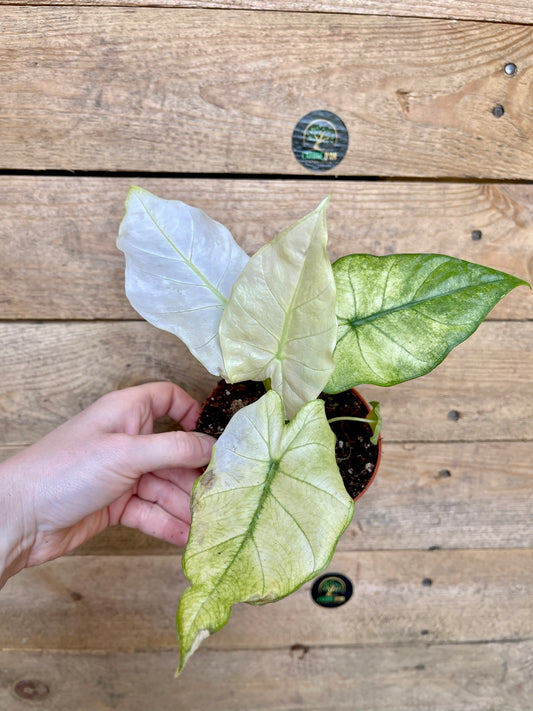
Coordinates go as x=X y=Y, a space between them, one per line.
x=373 y=419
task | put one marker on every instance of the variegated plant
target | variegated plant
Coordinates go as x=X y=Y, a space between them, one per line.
x=271 y=506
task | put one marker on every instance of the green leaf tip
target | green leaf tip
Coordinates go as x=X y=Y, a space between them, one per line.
x=399 y=316
x=266 y=515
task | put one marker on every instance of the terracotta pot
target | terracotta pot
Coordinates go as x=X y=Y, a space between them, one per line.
x=226 y=399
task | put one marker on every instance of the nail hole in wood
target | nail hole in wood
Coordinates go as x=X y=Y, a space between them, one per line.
x=300 y=650
x=31 y=689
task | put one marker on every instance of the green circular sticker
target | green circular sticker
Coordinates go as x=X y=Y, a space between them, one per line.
x=332 y=590
x=320 y=140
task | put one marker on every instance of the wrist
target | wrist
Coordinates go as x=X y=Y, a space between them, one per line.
x=11 y=560
x=15 y=545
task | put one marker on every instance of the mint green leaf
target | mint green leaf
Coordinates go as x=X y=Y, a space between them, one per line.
x=266 y=515
x=180 y=267
x=399 y=316
x=280 y=320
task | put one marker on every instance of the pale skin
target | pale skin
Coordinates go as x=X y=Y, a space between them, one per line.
x=103 y=467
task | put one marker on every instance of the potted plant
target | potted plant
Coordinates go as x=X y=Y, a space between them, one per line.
x=271 y=505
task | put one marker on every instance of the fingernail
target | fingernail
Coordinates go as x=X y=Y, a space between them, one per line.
x=207 y=443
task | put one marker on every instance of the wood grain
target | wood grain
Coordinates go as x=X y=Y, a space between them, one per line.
x=517 y=11
x=58 y=258
x=50 y=371
x=474 y=677
x=121 y=603
x=460 y=495
x=222 y=92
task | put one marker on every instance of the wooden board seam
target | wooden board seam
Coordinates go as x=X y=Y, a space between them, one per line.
x=256 y=177
x=280 y=648
x=400 y=105
x=304 y=11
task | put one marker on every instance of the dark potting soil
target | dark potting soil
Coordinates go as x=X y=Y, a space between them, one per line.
x=356 y=455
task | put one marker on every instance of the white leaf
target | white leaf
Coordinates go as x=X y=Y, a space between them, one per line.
x=180 y=268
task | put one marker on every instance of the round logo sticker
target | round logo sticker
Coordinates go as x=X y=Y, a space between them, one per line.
x=320 y=140
x=332 y=590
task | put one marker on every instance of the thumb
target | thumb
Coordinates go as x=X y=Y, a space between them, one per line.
x=169 y=449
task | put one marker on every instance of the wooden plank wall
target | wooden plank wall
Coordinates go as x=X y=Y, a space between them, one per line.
x=197 y=100
x=163 y=89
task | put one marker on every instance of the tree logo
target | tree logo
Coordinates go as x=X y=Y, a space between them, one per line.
x=332 y=590
x=320 y=140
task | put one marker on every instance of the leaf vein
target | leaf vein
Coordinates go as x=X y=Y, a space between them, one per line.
x=274 y=296
x=186 y=260
x=291 y=515
x=385 y=285
x=400 y=345
x=312 y=298
x=215 y=545
x=259 y=323
x=252 y=538
x=309 y=335
x=256 y=428
x=230 y=491
x=363 y=355
x=411 y=304
x=305 y=365
x=314 y=486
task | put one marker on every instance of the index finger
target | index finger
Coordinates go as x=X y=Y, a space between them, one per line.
x=132 y=409
x=165 y=398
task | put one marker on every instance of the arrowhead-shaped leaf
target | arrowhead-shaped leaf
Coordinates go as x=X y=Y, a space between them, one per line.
x=280 y=324
x=266 y=515
x=399 y=316
x=180 y=267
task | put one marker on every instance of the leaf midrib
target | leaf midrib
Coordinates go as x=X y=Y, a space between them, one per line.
x=287 y=322
x=218 y=294
x=273 y=469
x=354 y=323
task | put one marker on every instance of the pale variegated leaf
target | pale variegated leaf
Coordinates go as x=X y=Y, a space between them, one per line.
x=180 y=267
x=279 y=324
x=266 y=515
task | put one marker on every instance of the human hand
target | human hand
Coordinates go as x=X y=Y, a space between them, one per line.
x=102 y=467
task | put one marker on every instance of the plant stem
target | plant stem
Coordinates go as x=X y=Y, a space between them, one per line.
x=373 y=419
x=352 y=419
